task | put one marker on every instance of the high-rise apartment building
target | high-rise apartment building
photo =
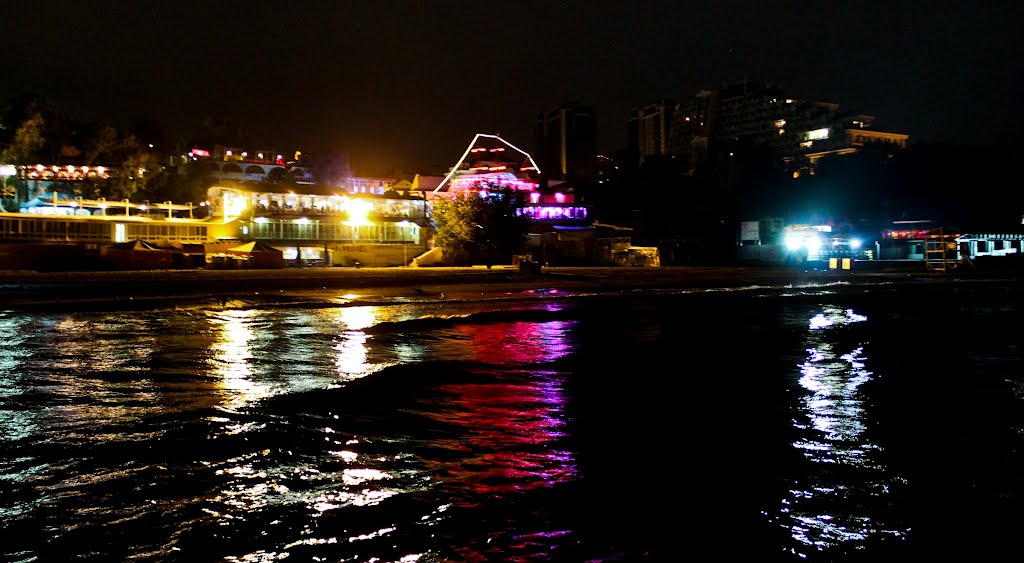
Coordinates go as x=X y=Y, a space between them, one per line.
x=760 y=113
x=567 y=142
x=649 y=130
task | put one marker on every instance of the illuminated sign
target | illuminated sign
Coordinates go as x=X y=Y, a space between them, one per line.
x=544 y=212
x=906 y=234
x=200 y=152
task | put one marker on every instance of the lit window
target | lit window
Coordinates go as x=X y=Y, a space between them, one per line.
x=816 y=134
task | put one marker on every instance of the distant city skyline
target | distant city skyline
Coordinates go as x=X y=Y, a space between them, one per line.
x=404 y=86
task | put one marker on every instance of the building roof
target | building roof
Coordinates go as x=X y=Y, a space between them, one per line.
x=492 y=154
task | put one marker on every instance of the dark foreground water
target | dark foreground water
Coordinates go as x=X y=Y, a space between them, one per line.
x=822 y=424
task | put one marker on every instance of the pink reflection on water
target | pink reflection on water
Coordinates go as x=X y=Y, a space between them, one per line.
x=519 y=342
x=510 y=433
x=513 y=423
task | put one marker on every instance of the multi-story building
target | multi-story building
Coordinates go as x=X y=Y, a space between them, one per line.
x=326 y=225
x=649 y=130
x=567 y=142
x=800 y=131
x=237 y=164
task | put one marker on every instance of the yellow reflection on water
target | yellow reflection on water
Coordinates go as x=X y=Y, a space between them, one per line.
x=233 y=356
x=351 y=350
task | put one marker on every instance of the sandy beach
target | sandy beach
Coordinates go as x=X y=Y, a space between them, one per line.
x=147 y=289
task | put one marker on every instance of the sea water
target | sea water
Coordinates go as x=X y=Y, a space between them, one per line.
x=831 y=423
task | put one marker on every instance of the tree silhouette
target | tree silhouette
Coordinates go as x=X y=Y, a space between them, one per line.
x=478 y=226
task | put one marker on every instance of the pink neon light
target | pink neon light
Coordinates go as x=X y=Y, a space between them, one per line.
x=541 y=212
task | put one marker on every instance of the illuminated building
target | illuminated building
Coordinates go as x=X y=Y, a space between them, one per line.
x=561 y=231
x=490 y=160
x=760 y=113
x=324 y=224
x=238 y=164
x=768 y=240
x=928 y=242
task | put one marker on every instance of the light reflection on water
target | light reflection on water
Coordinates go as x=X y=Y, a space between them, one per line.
x=831 y=427
x=232 y=359
x=15 y=424
x=507 y=428
x=486 y=419
x=351 y=347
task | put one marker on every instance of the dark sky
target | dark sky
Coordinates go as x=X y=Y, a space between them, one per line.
x=405 y=85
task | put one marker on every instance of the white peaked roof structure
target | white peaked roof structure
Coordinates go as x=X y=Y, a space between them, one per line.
x=488 y=154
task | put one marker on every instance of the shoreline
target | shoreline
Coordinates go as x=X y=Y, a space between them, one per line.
x=149 y=289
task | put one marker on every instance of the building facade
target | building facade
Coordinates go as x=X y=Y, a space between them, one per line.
x=649 y=130
x=762 y=114
x=567 y=143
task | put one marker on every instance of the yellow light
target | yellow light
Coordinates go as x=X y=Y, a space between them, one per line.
x=358 y=210
x=234 y=205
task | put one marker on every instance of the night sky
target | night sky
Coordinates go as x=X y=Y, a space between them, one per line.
x=403 y=86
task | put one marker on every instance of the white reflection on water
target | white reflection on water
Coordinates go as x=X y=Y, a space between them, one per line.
x=15 y=423
x=831 y=508
x=112 y=344
x=99 y=369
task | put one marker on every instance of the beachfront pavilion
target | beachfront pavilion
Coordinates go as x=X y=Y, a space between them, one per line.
x=325 y=225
